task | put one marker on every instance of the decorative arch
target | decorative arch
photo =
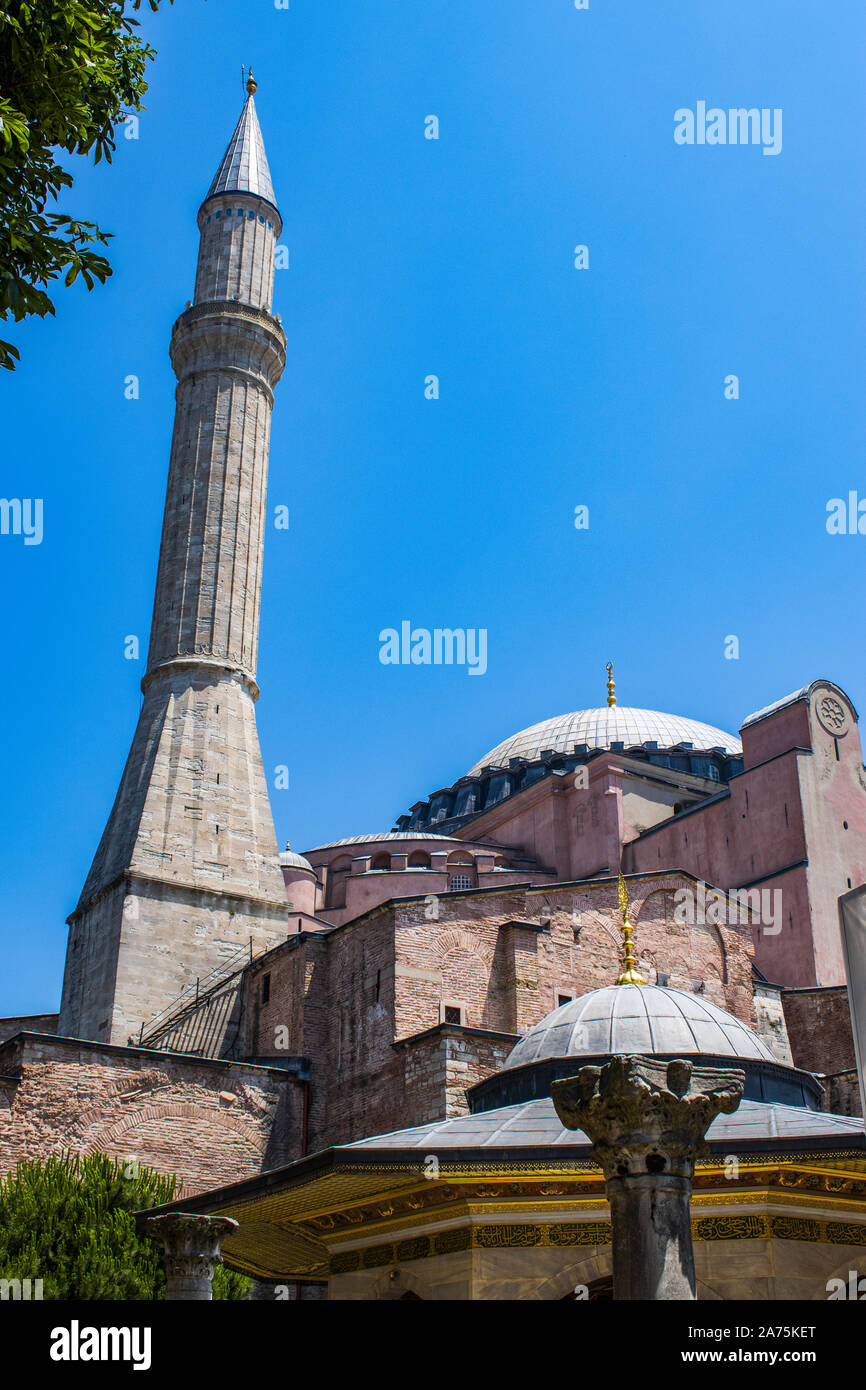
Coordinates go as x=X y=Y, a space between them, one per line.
x=180 y=1110
x=418 y=859
x=223 y=1147
x=587 y=1270
x=407 y=1286
x=659 y=904
x=594 y=1269
x=458 y=939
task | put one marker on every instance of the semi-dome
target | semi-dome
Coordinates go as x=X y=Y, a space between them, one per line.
x=638 y=1019
x=599 y=728
x=290 y=860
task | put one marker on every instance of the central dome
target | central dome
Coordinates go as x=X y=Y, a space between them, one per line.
x=599 y=728
x=638 y=1019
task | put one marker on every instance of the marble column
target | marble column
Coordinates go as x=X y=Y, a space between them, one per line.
x=191 y=1251
x=647 y=1120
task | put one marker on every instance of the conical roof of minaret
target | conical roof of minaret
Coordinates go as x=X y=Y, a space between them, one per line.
x=244 y=167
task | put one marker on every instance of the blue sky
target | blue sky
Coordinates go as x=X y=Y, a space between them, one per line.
x=559 y=387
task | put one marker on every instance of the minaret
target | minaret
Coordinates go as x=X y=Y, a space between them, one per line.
x=187 y=873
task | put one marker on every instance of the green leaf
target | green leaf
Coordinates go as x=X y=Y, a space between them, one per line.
x=70 y=70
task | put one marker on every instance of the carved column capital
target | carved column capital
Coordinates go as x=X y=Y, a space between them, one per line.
x=647 y=1120
x=191 y=1251
x=647 y=1116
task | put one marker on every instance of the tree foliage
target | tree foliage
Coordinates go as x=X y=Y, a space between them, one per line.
x=68 y=1221
x=69 y=71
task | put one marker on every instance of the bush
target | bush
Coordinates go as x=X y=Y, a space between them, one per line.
x=69 y=1222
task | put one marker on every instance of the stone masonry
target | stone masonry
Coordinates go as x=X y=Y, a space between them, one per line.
x=207 y=1122
x=366 y=1002
x=187 y=873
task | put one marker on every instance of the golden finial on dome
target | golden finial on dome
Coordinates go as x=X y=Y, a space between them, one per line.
x=252 y=84
x=611 y=685
x=629 y=976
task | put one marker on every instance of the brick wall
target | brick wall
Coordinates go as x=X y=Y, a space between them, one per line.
x=506 y=957
x=819 y=1027
x=208 y=1123
x=440 y=1066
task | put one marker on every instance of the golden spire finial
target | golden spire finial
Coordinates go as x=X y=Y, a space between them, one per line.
x=629 y=976
x=252 y=84
x=611 y=686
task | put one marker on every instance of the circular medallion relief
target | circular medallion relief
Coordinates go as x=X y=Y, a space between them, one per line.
x=832 y=714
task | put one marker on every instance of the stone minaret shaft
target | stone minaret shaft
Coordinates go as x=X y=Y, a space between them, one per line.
x=187 y=872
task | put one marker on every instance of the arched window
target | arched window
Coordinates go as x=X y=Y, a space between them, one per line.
x=338 y=873
x=419 y=859
x=461 y=870
x=381 y=861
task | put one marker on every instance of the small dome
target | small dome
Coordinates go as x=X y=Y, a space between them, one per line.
x=290 y=860
x=599 y=728
x=641 y=1019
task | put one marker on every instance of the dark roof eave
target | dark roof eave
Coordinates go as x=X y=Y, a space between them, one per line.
x=369 y=1160
x=164 y=1055
x=457 y=1030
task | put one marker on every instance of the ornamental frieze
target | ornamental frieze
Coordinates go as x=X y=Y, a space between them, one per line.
x=534 y=1197
x=509 y=1236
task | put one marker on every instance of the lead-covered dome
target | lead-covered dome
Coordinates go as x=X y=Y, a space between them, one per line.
x=638 y=1019
x=599 y=728
x=290 y=860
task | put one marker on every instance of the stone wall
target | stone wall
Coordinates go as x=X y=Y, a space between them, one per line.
x=842 y=1094
x=819 y=1027
x=508 y=958
x=187 y=870
x=365 y=1002
x=209 y=1123
x=770 y=1022
x=440 y=1066
x=480 y=1266
x=27 y=1023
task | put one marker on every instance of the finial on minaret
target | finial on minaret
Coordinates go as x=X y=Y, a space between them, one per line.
x=629 y=976
x=611 y=685
x=252 y=84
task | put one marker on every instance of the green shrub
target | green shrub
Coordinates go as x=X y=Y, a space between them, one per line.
x=69 y=1221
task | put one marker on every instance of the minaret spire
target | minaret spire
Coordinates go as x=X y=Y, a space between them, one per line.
x=244 y=166
x=187 y=873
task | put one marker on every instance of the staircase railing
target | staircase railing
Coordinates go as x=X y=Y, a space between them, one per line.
x=196 y=994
